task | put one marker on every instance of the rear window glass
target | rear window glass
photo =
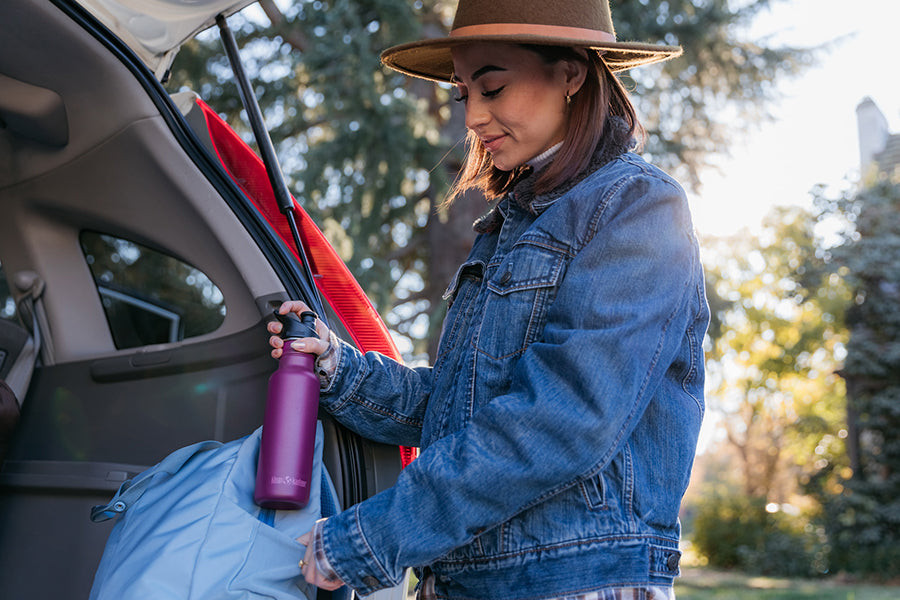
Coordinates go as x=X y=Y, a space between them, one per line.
x=150 y=297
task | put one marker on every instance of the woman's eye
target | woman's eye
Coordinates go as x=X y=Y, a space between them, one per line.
x=486 y=94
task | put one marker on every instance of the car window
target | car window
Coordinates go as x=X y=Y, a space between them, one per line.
x=150 y=297
x=7 y=304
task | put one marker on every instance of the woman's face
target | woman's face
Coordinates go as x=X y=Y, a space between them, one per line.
x=515 y=101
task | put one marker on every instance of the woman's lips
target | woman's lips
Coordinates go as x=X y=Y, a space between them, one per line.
x=491 y=144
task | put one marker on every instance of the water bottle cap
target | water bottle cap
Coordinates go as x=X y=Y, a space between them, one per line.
x=303 y=326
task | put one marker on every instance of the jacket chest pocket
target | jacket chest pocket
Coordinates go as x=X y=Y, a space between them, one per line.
x=521 y=289
x=459 y=295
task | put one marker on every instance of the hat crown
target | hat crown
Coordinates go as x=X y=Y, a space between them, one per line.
x=581 y=14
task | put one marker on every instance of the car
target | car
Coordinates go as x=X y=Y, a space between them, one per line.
x=142 y=249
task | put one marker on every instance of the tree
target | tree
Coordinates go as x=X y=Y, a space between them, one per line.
x=865 y=518
x=723 y=84
x=775 y=396
x=357 y=149
x=773 y=361
x=365 y=149
x=150 y=297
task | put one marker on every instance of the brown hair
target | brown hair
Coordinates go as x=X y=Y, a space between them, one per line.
x=602 y=95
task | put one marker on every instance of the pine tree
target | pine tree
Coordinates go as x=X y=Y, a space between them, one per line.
x=864 y=520
x=370 y=153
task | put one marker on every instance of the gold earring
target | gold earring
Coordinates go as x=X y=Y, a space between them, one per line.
x=568 y=99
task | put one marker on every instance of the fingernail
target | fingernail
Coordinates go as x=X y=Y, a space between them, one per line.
x=298 y=345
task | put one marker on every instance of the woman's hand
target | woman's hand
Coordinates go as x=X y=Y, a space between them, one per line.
x=308 y=565
x=311 y=345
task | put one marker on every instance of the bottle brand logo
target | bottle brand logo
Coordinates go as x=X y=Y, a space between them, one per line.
x=288 y=480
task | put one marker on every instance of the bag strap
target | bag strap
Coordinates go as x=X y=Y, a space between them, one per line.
x=33 y=314
x=328 y=496
x=19 y=377
x=131 y=491
x=9 y=416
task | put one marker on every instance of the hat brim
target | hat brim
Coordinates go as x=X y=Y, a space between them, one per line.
x=432 y=59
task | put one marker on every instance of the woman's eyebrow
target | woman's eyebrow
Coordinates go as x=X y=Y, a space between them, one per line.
x=485 y=69
x=482 y=71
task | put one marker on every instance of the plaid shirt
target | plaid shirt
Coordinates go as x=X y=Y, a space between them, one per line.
x=426 y=592
x=322 y=565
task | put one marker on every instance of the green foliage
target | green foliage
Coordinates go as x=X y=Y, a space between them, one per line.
x=781 y=336
x=778 y=339
x=145 y=275
x=363 y=148
x=357 y=148
x=864 y=519
x=713 y=584
x=869 y=258
x=737 y=532
x=725 y=526
x=863 y=529
x=723 y=84
x=782 y=300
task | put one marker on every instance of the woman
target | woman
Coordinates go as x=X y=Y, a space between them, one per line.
x=558 y=424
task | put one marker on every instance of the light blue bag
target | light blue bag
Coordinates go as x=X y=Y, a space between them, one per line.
x=188 y=529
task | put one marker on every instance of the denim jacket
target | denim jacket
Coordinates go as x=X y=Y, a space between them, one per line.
x=558 y=424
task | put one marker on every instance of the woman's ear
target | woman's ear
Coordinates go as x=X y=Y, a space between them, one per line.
x=575 y=72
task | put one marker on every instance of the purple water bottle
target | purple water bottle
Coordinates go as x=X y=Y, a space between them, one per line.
x=284 y=471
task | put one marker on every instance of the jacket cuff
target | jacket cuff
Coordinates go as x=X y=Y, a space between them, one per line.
x=352 y=557
x=328 y=361
x=322 y=563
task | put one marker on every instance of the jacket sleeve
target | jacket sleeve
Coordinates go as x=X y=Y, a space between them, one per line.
x=377 y=397
x=577 y=393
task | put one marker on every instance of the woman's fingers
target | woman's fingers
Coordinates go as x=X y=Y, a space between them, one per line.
x=309 y=345
x=311 y=574
x=295 y=306
x=322 y=330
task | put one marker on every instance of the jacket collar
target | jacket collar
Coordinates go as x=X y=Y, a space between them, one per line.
x=615 y=142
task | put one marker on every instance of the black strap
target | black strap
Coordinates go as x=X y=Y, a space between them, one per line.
x=9 y=416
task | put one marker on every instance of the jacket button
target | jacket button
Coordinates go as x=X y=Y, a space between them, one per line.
x=370 y=581
x=506 y=277
x=672 y=562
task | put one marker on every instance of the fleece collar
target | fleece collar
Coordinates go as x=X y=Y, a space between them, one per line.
x=616 y=141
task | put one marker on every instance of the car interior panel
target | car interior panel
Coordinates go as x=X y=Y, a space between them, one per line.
x=93 y=175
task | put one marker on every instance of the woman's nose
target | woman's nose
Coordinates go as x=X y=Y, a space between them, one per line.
x=476 y=114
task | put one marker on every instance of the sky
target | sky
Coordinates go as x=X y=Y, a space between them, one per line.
x=814 y=137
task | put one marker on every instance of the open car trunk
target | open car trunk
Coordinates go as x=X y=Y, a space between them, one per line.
x=141 y=275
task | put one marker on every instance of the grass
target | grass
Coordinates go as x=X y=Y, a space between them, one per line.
x=707 y=584
x=698 y=583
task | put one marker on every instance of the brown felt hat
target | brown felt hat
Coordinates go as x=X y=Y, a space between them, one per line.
x=576 y=23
